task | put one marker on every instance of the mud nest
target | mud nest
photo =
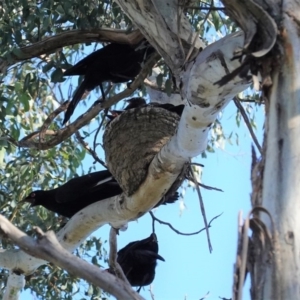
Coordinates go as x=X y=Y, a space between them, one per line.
x=132 y=140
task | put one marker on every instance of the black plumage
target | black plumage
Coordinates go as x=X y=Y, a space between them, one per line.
x=138 y=261
x=132 y=103
x=82 y=191
x=77 y=193
x=135 y=102
x=115 y=62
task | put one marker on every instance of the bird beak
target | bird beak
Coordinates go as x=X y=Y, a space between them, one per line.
x=159 y=257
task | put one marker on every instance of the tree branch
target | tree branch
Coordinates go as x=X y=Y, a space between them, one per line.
x=179 y=232
x=64 y=133
x=47 y=247
x=113 y=264
x=68 y=38
x=246 y=120
x=166 y=28
x=15 y=283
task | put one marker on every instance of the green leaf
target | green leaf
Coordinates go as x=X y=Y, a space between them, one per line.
x=94 y=260
x=2 y=154
x=18 y=36
x=60 y=9
x=159 y=80
x=168 y=87
x=17 y=52
x=48 y=66
x=26 y=82
x=90 y=291
x=24 y=99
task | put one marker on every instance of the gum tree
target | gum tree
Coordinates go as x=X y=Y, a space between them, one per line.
x=38 y=38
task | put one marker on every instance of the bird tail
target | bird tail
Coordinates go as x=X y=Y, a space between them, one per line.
x=76 y=98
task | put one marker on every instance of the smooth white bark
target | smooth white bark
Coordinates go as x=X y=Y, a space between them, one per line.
x=15 y=283
x=281 y=182
x=47 y=247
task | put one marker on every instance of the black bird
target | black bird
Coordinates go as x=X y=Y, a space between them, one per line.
x=138 y=261
x=115 y=62
x=77 y=193
x=133 y=103
x=82 y=191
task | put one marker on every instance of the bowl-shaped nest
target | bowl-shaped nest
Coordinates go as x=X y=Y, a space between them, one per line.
x=132 y=140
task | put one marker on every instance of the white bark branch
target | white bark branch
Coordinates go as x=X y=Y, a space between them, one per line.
x=164 y=25
x=15 y=283
x=47 y=247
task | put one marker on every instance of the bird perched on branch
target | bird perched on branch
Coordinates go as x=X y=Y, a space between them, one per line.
x=138 y=261
x=82 y=191
x=115 y=62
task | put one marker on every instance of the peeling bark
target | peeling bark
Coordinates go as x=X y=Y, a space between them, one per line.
x=167 y=29
x=274 y=263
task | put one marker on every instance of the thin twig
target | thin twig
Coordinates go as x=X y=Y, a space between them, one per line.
x=49 y=120
x=205 y=296
x=204 y=185
x=98 y=129
x=153 y=222
x=209 y=187
x=113 y=264
x=87 y=148
x=202 y=209
x=103 y=119
x=64 y=133
x=246 y=120
x=151 y=293
x=197 y=164
x=177 y=231
x=243 y=258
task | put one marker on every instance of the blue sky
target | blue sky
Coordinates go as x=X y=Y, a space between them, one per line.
x=189 y=270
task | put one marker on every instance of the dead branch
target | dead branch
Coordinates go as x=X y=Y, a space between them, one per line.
x=177 y=231
x=113 y=264
x=246 y=120
x=202 y=208
x=89 y=149
x=50 y=119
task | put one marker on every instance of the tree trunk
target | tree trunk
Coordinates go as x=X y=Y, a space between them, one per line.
x=281 y=179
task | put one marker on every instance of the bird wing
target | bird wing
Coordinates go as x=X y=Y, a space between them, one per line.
x=103 y=54
x=83 y=185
